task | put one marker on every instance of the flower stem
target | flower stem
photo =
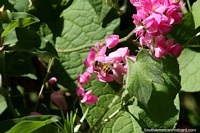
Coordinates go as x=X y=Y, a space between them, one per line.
x=96 y=126
x=189 y=5
x=51 y=61
x=75 y=49
x=126 y=38
x=187 y=43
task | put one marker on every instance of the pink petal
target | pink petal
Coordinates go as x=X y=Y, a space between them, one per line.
x=176 y=50
x=80 y=91
x=111 y=41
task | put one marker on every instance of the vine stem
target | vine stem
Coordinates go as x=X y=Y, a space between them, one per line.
x=51 y=61
x=69 y=50
x=126 y=38
x=187 y=43
x=75 y=49
x=99 y=121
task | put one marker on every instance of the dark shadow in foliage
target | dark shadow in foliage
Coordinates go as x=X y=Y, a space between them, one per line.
x=117 y=87
x=195 y=42
x=49 y=14
x=27 y=40
x=160 y=109
x=184 y=33
x=65 y=80
x=111 y=15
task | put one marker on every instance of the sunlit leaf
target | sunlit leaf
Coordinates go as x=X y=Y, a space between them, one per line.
x=122 y=123
x=155 y=83
x=81 y=27
x=19 y=22
x=27 y=124
x=189 y=70
x=196 y=12
x=3 y=103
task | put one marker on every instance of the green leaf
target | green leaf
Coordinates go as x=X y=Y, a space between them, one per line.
x=21 y=5
x=3 y=103
x=196 y=12
x=81 y=27
x=20 y=22
x=48 y=129
x=27 y=124
x=106 y=92
x=161 y=114
x=18 y=15
x=122 y=123
x=189 y=70
x=155 y=83
x=100 y=7
x=146 y=121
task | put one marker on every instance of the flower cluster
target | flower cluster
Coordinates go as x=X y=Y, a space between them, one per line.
x=108 y=67
x=153 y=19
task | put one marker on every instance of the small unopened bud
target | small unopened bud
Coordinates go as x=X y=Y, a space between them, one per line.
x=58 y=99
x=52 y=80
x=35 y=113
x=111 y=41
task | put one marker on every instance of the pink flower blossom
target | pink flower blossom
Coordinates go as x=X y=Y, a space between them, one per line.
x=101 y=55
x=80 y=91
x=87 y=97
x=176 y=50
x=120 y=54
x=155 y=16
x=164 y=47
x=90 y=59
x=118 y=72
x=84 y=78
x=104 y=77
x=111 y=41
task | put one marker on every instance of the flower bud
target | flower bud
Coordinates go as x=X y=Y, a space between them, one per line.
x=176 y=50
x=111 y=41
x=58 y=99
x=52 y=80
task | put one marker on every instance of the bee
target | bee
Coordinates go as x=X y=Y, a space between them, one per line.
x=104 y=68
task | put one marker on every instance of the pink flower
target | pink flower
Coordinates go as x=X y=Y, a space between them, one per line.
x=133 y=57
x=101 y=55
x=111 y=41
x=52 y=80
x=176 y=50
x=87 y=97
x=120 y=54
x=90 y=59
x=104 y=77
x=80 y=91
x=159 y=52
x=174 y=16
x=84 y=78
x=118 y=72
x=164 y=47
x=155 y=16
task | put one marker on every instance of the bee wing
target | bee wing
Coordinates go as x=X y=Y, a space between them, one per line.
x=103 y=73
